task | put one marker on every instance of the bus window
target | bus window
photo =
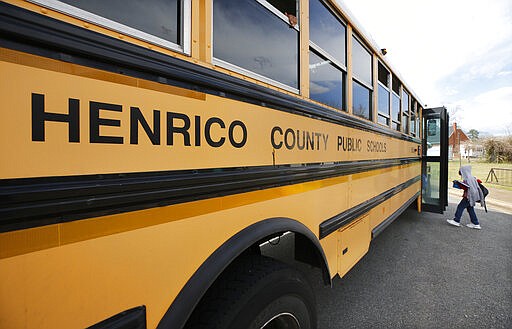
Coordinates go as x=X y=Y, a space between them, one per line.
x=327 y=32
x=157 y=21
x=327 y=61
x=414 y=108
x=361 y=100
x=362 y=81
x=251 y=39
x=383 y=95
x=405 y=112
x=326 y=81
x=395 y=104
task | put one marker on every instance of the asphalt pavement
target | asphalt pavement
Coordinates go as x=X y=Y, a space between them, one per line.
x=423 y=273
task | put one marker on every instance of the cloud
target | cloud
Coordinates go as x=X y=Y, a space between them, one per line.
x=494 y=62
x=489 y=112
x=316 y=88
x=429 y=41
x=490 y=71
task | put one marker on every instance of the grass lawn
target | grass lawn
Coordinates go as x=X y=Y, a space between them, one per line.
x=480 y=170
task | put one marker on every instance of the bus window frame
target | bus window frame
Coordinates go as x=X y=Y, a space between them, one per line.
x=365 y=47
x=357 y=79
x=406 y=115
x=413 y=113
x=389 y=88
x=394 y=79
x=317 y=49
x=186 y=24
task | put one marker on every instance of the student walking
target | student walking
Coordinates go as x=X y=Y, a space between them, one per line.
x=472 y=195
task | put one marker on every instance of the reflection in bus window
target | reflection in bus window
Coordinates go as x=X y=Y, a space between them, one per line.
x=249 y=36
x=326 y=81
x=326 y=31
x=412 y=126
x=361 y=101
x=395 y=111
x=395 y=104
x=383 y=105
x=361 y=62
x=160 y=18
x=405 y=111
x=433 y=137
x=362 y=84
x=383 y=95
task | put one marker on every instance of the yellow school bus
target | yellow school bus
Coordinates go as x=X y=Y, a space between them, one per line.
x=152 y=151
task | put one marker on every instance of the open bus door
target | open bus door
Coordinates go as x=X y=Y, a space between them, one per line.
x=434 y=191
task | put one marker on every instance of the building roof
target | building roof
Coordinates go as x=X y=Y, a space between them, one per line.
x=460 y=132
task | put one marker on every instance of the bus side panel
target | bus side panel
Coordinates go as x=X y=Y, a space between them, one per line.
x=102 y=266
x=78 y=271
x=353 y=244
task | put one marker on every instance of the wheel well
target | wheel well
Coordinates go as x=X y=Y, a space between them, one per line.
x=263 y=237
x=291 y=247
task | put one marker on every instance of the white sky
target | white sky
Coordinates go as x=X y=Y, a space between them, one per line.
x=456 y=53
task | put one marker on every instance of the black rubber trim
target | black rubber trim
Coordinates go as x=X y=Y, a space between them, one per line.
x=380 y=228
x=37 y=34
x=32 y=202
x=346 y=217
x=134 y=318
x=183 y=305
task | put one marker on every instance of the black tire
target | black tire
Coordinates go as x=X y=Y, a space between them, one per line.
x=257 y=292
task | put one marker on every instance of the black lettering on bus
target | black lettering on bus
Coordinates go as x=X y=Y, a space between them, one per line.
x=317 y=135
x=39 y=117
x=183 y=129
x=207 y=132
x=137 y=118
x=375 y=146
x=349 y=144
x=310 y=141
x=301 y=147
x=95 y=123
x=232 y=135
x=275 y=145
x=325 y=137
x=197 y=130
x=288 y=132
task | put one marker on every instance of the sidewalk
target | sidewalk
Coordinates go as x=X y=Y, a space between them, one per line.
x=497 y=200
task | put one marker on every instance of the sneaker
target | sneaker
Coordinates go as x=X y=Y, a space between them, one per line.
x=477 y=226
x=453 y=222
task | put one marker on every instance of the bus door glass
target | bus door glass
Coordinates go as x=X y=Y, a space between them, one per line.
x=434 y=190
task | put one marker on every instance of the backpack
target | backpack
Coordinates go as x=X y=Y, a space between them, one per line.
x=485 y=191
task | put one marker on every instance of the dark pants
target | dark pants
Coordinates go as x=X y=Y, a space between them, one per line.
x=464 y=204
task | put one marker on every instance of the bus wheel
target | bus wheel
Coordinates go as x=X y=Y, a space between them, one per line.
x=257 y=293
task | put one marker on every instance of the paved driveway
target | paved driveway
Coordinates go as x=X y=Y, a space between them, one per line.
x=422 y=273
